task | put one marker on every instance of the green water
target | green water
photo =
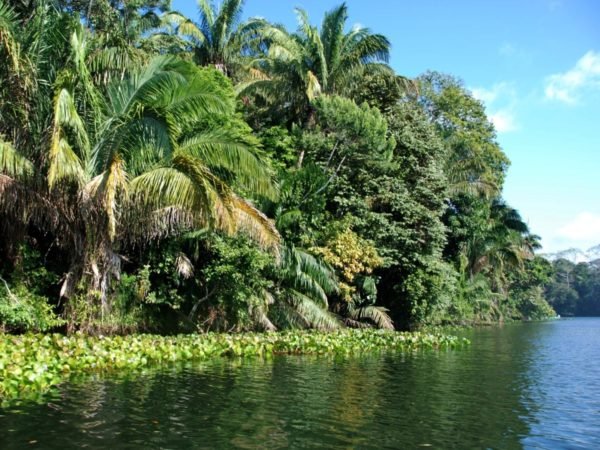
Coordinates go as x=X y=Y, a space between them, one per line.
x=519 y=386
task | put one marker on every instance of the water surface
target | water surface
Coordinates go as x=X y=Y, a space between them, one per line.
x=534 y=385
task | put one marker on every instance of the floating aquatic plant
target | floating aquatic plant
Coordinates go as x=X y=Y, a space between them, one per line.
x=31 y=364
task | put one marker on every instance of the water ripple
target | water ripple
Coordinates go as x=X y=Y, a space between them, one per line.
x=530 y=385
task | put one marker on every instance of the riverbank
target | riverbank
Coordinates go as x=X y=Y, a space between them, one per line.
x=32 y=364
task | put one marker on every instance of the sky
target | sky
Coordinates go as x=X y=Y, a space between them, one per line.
x=536 y=66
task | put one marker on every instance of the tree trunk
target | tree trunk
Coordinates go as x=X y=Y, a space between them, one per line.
x=105 y=265
x=311 y=119
x=300 y=159
x=97 y=269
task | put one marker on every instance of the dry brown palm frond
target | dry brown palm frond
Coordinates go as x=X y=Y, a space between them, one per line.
x=24 y=205
x=256 y=224
x=184 y=266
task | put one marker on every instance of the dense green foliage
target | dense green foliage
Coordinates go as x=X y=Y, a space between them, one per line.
x=574 y=289
x=32 y=364
x=169 y=174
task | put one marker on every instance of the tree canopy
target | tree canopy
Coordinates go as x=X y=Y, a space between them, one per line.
x=166 y=173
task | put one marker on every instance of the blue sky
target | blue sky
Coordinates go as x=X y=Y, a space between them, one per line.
x=536 y=66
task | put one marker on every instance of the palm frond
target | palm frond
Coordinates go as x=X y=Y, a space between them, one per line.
x=191 y=102
x=251 y=221
x=12 y=163
x=216 y=149
x=65 y=164
x=184 y=266
x=180 y=198
x=313 y=87
x=260 y=313
x=288 y=218
x=106 y=188
x=332 y=33
x=184 y=26
x=313 y=315
x=145 y=143
x=110 y=63
x=79 y=51
x=376 y=314
x=8 y=27
x=207 y=15
x=168 y=200
x=228 y=17
x=311 y=275
x=313 y=46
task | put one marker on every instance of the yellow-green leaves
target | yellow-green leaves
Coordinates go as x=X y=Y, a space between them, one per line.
x=352 y=256
x=313 y=87
x=65 y=161
x=8 y=22
x=12 y=163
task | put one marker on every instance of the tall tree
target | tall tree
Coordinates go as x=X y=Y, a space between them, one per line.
x=297 y=67
x=217 y=39
x=118 y=30
x=475 y=164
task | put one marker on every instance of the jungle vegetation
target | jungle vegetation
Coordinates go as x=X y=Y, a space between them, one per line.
x=574 y=289
x=162 y=173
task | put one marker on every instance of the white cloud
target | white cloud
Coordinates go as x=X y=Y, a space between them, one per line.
x=496 y=92
x=485 y=95
x=582 y=232
x=504 y=121
x=500 y=100
x=584 y=227
x=568 y=86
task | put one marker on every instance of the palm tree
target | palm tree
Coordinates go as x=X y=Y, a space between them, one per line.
x=300 y=296
x=218 y=39
x=27 y=46
x=502 y=244
x=8 y=23
x=466 y=171
x=132 y=165
x=297 y=67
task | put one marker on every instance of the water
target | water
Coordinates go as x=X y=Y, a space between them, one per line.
x=519 y=386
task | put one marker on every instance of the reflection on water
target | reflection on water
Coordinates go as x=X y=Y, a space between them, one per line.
x=529 y=385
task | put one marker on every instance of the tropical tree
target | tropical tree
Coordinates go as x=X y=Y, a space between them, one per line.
x=297 y=67
x=217 y=39
x=32 y=47
x=122 y=157
x=118 y=32
x=123 y=20
x=384 y=90
x=10 y=46
x=475 y=164
x=503 y=243
x=32 y=42
x=143 y=165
